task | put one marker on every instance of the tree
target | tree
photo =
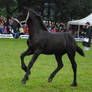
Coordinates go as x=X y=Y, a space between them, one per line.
x=6 y=6
x=29 y=3
x=73 y=9
x=64 y=10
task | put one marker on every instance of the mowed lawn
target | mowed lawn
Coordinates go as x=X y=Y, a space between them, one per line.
x=11 y=73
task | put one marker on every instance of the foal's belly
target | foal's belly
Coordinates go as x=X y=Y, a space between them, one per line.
x=54 y=51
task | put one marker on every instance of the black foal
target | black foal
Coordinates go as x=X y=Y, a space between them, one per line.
x=43 y=42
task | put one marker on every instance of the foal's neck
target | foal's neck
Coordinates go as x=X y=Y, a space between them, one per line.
x=37 y=27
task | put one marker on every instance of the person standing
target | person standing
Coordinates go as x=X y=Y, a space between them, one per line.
x=87 y=37
x=26 y=29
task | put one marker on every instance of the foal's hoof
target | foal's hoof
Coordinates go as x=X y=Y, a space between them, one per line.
x=74 y=84
x=49 y=80
x=23 y=82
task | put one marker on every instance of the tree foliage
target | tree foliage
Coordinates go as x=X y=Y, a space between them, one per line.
x=64 y=9
x=5 y=3
x=6 y=6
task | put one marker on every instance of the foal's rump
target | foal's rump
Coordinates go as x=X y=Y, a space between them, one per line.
x=72 y=44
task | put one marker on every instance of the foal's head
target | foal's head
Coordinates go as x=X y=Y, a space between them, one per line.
x=35 y=17
x=29 y=16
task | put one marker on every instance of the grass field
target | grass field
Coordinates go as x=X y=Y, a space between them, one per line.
x=11 y=72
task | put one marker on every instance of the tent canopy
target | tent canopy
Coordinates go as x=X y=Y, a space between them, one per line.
x=82 y=21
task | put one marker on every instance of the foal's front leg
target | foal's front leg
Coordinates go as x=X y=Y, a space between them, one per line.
x=27 y=52
x=29 y=67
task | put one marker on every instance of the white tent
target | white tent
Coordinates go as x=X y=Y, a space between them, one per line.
x=80 y=22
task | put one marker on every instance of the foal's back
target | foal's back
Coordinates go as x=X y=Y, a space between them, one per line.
x=55 y=42
x=59 y=38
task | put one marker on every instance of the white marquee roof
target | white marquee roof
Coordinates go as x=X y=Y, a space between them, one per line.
x=82 y=21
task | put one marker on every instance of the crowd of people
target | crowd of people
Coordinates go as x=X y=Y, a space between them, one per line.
x=52 y=27
x=2 y=25
x=57 y=27
x=4 y=29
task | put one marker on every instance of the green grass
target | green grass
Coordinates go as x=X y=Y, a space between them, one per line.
x=11 y=73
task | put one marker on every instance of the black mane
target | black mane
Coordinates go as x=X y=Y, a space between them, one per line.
x=40 y=19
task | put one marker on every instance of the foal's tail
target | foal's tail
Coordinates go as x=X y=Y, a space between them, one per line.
x=80 y=51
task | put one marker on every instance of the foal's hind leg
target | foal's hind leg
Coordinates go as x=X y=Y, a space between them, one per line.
x=27 y=52
x=74 y=66
x=60 y=65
